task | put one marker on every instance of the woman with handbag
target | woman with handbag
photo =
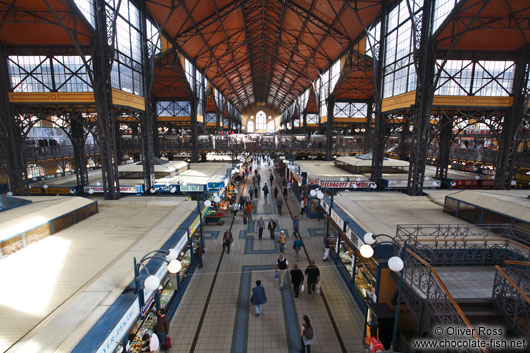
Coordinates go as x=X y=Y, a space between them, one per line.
x=258 y=297
x=306 y=335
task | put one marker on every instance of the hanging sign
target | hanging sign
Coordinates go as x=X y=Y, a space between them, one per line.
x=123 y=189
x=191 y=188
x=325 y=206
x=346 y=184
x=313 y=181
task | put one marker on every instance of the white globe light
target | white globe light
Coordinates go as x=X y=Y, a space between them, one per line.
x=341 y=179
x=313 y=193
x=174 y=266
x=513 y=183
x=354 y=186
x=91 y=191
x=358 y=179
x=320 y=195
x=453 y=183
x=207 y=203
x=369 y=238
x=98 y=183
x=492 y=177
x=151 y=282
x=173 y=190
x=373 y=186
x=477 y=177
x=9 y=193
x=173 y=254
x=72 y=191
x=366 y=251
x=395 y=263
x=216 y=199
x=152 y=190
x=45 y=186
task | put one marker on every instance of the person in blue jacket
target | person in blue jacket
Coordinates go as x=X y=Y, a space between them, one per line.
x=258 y=297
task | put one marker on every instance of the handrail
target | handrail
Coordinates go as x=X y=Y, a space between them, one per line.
x=513 y=262
x=446 y=291
x=509 y=279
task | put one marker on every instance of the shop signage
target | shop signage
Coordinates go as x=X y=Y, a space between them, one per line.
x=396 y=183
x=464 y=183
x=123 y=189
x=194 y=226
x=191 y=188
x=216 y=185
x=313 y=181
x=36 y=190
x=325 y=206
x=346 y=184
x=121 y=329
x=164 y=188
x=338 y=221
x=60 y=191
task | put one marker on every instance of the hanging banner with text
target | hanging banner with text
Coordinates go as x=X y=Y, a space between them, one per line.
x=346 y=184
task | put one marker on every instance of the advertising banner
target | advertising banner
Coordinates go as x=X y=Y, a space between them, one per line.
x=346 y=184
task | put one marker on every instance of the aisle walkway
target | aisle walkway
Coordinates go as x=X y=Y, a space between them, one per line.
x=229 y=322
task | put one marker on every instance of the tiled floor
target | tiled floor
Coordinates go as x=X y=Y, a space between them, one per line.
x=230 y=323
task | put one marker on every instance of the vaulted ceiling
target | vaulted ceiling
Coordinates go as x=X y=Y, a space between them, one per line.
x=263 y=51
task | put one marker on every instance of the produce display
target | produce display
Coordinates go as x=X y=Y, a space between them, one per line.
x=186 y=263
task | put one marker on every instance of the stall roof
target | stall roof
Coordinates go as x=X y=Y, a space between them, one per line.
x=366 y=161
x=513 y=203
x=200 y=174
x=326 y=170
x=160 y=166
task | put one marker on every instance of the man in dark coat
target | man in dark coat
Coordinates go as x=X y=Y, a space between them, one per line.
x=297 y=278
x=258 y=297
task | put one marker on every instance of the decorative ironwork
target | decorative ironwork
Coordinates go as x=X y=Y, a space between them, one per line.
x=509 y=291
x=457 y=245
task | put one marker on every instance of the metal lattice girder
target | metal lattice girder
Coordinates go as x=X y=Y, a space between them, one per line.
x=78 y=137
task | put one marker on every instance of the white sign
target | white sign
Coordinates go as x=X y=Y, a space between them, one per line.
x=338 y=221
x=121 y=329
x=123 y=189
x=346 y=184
x=397 y=183
x=325 y=206
x=191 y=188
x=182 y=243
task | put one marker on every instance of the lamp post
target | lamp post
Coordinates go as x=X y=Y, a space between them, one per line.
x=395 y=263
x=152 y=282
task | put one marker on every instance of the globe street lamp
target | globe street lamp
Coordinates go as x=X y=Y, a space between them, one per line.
x=395 y=263
x=152 y=282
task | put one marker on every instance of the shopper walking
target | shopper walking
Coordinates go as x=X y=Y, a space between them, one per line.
x=258 y=297
x=265 y=191
x=306 y=335
x=279 y=203
x=313 y=276
x=198 y=255
x=302 y=206
x=327 y=244
x=271 y=227
x=296 y=225
x=297 y=245
x=235 y=207
x=282 y=241
x=275 y=192
x=249 y=211
x=271 y=178
x=281 y=266
x=261 y=226
x=251 y=193
x=297 y=279
x=227 y=240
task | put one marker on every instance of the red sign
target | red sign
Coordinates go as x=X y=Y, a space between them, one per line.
x=463 y=184
x=346 y=184
x=312 y=181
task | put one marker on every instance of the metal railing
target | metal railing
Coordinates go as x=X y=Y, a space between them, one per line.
x=424 y=285
x=510 y=293
x=465 y=245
